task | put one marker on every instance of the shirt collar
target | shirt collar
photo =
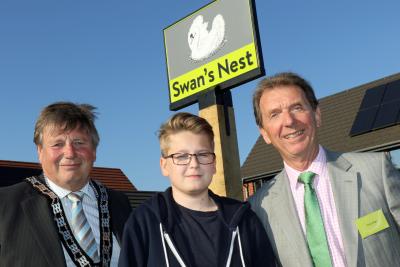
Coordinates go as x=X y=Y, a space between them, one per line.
x=316 y=166
x=62 y=192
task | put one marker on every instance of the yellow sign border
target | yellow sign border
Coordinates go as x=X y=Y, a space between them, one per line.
x=215 y=72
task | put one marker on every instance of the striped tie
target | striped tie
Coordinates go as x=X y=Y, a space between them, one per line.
x=81 y=228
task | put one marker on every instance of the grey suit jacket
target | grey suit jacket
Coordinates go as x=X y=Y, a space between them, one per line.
x=28 y=234
x=361 y=183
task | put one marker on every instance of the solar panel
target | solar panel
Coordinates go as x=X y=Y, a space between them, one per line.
x=392 y=92
x=373 y=97
x=379 y=108
x=387 y=115
x=364 y=121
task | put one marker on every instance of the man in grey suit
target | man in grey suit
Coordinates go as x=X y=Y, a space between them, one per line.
x=324 y=208
x=62 y=217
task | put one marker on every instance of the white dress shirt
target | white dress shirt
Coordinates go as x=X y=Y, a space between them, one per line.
x=90 y=208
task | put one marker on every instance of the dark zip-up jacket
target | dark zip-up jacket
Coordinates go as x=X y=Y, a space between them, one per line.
x=152 y=238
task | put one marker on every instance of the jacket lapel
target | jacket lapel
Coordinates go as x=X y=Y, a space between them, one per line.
x=345 y=193
x=37 y=211
x=285 y=221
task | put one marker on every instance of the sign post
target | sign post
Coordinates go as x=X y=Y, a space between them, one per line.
x=209 y=52
x=217 y=109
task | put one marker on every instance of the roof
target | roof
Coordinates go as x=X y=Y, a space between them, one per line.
x=338 y=114
x=12 y=172
x=138 y=197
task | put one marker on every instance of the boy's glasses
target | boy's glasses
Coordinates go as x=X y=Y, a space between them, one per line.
x=185 y=158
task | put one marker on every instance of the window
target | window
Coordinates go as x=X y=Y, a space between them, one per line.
x=251 y=187
x=395 y=157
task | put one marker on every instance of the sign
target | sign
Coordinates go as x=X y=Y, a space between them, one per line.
x=214 y=48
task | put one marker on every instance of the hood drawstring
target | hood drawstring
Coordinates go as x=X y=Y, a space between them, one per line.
x=165 y=236
x=164 y=248
x=234 y=234
x=240 y=247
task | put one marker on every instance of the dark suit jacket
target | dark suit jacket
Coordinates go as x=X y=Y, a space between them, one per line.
x=361 y=183
x=28 y=234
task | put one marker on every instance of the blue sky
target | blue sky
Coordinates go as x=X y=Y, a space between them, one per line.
x=110 y=54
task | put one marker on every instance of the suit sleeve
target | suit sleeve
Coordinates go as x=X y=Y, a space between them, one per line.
x=120 y=210
x=391 y=180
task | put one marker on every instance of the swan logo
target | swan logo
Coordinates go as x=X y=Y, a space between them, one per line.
x=204 y=43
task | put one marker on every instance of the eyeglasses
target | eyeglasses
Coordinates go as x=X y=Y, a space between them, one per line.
x=185 y=158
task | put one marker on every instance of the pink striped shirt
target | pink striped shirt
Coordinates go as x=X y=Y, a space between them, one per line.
x=324 y=192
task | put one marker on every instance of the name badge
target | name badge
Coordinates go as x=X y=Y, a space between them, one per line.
x=371 y=223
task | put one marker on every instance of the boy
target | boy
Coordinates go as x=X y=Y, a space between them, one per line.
x=188 y=225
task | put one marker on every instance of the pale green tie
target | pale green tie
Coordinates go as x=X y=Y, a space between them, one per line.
x=315 y=231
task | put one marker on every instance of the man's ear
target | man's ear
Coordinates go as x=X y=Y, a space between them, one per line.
x=163 y=166
x=318 y=119
x=264 y=134
x=39 y=149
